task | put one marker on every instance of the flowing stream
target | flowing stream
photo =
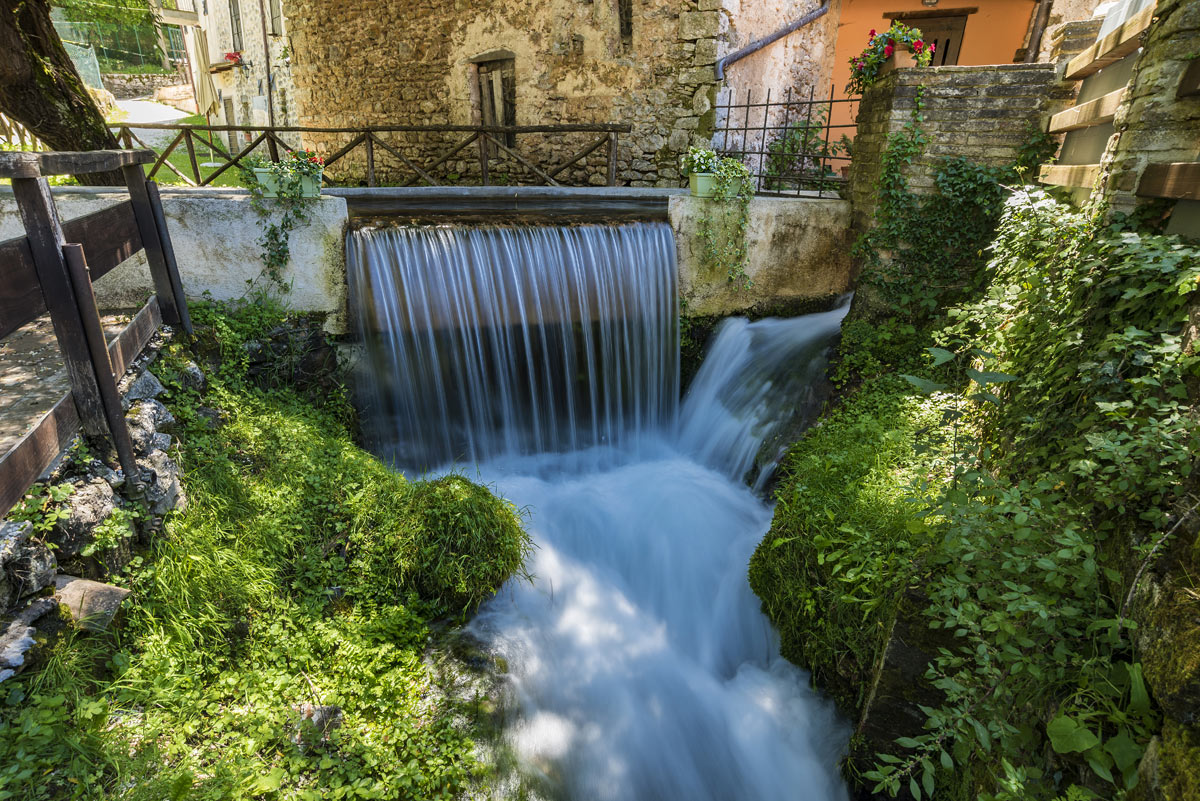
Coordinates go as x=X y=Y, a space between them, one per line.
x=544 y=362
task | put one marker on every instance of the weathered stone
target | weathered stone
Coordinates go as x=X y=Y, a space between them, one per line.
x=17 y=637
x=163 y=490
x=26 y=565
x=92 y=605
x=192 y=377
x=698 y=24
x=147 y=420
x=316 y=723
x=88 y=506
x=144 y=386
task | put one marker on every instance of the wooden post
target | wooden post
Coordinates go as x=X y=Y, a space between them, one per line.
x=272 y=147
x=370 y=159
x=483 y=159
x=143 y=212
x=44 y=231
x=612 y=158
x=164 y=236
x=191 y=149
x=110 y=396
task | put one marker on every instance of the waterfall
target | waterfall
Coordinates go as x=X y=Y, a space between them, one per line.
x=640 y=665
x=504 y=339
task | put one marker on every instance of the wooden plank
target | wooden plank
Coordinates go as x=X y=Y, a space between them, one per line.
x=612 y=157
x=355 y=142
x=32 y=165
x=526 y=162
x=143 y=212
x=1189 y=84
x=1085 y=115
x=33 y=453
x=1112 y=48
x=129 y=343
x=164 y=237
x=583 y=127
x=21 y=300
x=237 y=159
x=1077 y=175
x=42 y=227
x=191 y=151
x=580 y=154
x=449 y=154
x=905 y=16
x=1180 y=181
x=109 y=237
x=370 y=159
x=166 y=152
x=110 y=396
x=429 y=179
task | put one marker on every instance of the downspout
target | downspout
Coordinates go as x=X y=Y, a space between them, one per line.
x=262 y=12
x=1041 y=17
x=759 y=44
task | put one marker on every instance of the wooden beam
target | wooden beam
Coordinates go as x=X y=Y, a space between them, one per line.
x=1077 y=175
x=33 y=165
x=1179 y=181
x=1112 y=48
x=931 y=13
x=109 y=237
x=1085 y=115
x=429 y=179
x=129 y=343
x=178 y=299
x=143 y=212
x=45 y=242
x=1189 y=84
x=21 y=300
x=34 y=452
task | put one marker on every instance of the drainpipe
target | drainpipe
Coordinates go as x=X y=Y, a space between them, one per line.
x=1041 y=17
x=759 y=44
x=262 y=13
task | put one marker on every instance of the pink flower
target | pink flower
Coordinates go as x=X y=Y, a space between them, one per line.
x=887 y=51
x=871 y=35
x=932 y=47
x=918 y=46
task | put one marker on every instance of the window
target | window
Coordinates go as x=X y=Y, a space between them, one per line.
x=944 y=30
x=235 y=25
x=498 y=95
x=625 y=21
x=276 y=17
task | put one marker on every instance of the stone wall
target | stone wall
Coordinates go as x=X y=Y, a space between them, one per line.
x=983 y=114
x=125 y=85
x=387 y=63
x=1153 y=125
x=799 y=256
x=216 y=238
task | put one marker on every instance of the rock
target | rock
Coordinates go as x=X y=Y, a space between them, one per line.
x=90 y=505
x=26 y=565
x=316 y=722
x=114 y=478
x=17 y=637
x=92 y=605
x=161 y=477
x=143 y=387
x=213 y=418
x=147 y=420
x=192 y=377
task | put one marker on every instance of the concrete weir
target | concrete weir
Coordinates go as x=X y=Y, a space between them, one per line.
x=798 y=247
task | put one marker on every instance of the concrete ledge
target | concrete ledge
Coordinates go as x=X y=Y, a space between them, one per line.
x=799 y=251
x=216 y=237
x=549 y=202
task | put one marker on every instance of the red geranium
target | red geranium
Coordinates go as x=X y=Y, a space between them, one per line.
x=887 y=51
x=918 y=46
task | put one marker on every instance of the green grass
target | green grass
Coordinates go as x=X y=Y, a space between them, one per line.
x=249 y=605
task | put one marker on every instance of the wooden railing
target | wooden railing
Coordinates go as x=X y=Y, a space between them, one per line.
x=51 y=269
x=490 y=143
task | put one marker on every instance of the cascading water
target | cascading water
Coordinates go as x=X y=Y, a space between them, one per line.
x=641 y=664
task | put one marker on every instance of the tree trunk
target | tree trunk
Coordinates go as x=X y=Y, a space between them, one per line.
x=40 y=88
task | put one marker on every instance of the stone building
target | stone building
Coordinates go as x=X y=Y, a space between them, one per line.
x=249 y=62
x=649 y=63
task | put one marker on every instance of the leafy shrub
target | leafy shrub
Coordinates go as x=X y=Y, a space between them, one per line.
x=455 y=543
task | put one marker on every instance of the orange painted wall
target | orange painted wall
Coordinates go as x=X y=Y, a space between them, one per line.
x=993 y=34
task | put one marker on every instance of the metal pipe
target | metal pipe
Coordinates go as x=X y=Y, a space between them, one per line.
x=759 y=44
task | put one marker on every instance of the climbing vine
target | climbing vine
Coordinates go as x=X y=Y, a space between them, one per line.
x=290 y=207
x=723 y=225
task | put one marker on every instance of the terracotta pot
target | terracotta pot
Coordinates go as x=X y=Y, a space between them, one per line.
x=899 y=59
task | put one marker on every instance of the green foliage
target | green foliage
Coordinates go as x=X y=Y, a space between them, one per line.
x=865 y=67
x=435 y=547
x=42 y=506
x=723 y=225
x=799 y=157
x=1063 y=438
x=240 y=614
x=289 y=207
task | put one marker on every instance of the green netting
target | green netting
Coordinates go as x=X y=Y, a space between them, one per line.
x=84 y=57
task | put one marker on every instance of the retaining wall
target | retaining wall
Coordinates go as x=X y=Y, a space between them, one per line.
x=215 y=233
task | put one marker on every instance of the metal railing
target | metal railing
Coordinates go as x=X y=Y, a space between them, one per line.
x=434 y=155
x=789 y=143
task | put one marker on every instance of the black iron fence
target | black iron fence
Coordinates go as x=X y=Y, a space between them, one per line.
x=792 y=144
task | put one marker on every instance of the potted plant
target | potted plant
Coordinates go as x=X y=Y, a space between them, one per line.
x=899 y=46
x=298 y=174
x=700 y=165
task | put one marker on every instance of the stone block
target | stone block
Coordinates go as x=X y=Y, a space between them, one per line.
x=92 y=605
x=698 y=24
x=692 y=76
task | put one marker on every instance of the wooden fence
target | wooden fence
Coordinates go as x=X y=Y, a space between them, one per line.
x=51 y=269
x=490 y=143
